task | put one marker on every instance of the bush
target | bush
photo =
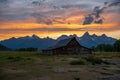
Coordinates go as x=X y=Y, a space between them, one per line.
x=94 y=60
x=10 y=57
x=77 y=62
x=105 y=62
x=28 y=58
x=76 y=78
x=26 y=49
x=17 y=58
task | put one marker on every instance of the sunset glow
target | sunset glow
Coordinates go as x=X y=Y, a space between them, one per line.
x=23 y=18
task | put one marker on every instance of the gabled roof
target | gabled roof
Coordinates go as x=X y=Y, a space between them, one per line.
x=61 y=43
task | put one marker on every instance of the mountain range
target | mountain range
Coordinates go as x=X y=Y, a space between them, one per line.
x=34 y=41
x=3 y=48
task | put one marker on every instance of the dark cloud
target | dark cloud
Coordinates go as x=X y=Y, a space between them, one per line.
x=100 y=21
x=95 y=16
x=114 y=4
x=47 y=10
x=71 y=6
x=42 y=18
x=88 y=19
x=37 y=2
x=11 y=16
x=4 y=3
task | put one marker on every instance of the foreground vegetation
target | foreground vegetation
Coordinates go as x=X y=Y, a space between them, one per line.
x=108 y=47
x=34 y=66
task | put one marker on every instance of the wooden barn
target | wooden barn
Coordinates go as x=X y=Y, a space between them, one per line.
x=66 y=47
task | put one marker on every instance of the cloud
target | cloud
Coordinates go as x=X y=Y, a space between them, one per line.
x=114 y=4
x=38 y=2
x=43 y=11
x=100 y=21
x=95 y=16
x=57 y=29
x=46 y=11
x=88 y=19
x=4 y=3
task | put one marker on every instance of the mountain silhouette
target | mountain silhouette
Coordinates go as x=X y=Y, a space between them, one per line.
x=94 y=40
x=3 y=48
x=34 y=41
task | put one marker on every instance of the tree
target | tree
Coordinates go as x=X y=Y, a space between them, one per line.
x=27 y=49
x=108 y=47
x=117 y=46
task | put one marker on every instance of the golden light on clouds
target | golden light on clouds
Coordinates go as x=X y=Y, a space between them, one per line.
x=57 y=17
x=18 y=29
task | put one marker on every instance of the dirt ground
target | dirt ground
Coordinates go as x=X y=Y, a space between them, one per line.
x=34 y=66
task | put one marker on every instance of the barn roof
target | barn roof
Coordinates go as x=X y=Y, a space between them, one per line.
x=61 y=43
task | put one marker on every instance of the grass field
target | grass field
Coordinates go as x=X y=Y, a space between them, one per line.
x=34 y=66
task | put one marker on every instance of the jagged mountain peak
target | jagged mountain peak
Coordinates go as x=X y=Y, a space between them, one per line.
x=62 y=37
x=47 y=38
x=94 y=35
x=12 y=38
x=74 y=35
x=103 y=35
x=35 y=36
x=86 y=34
x=34 y=41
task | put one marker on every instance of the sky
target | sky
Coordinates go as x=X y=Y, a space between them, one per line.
x=57 y=17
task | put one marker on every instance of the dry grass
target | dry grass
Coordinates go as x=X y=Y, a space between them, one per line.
x=33 y=66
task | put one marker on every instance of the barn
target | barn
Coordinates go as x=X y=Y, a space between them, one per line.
x=67 y=47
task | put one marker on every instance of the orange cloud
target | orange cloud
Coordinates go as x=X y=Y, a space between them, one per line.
x=70 y=26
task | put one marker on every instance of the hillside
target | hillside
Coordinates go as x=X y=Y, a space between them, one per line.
x=3 y=48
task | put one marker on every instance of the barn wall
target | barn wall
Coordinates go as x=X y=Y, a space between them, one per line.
x=60 y=51
x=47 y=52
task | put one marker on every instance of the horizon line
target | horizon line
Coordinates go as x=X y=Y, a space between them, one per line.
x=58 y=36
